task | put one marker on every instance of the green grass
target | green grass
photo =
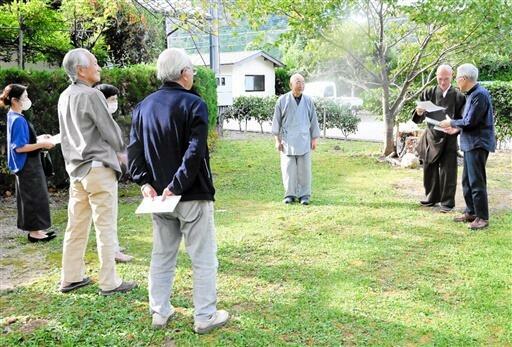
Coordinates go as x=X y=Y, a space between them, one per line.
x=364 y=264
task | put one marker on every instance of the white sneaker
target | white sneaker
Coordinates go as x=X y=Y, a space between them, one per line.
x=217 y=319
x=120 y=257
x=159 y=322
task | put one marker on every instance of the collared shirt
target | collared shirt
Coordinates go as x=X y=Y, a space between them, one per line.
x=88 y=131
x=17 y=136
x=477 y=123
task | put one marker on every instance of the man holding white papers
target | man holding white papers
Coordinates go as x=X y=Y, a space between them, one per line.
x=437 y=149
x=168 y=156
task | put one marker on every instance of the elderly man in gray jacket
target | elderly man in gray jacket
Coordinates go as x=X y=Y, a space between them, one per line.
x=90 y=139
x=296 y=130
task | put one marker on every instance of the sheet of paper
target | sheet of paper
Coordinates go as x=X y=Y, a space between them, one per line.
x=156 y=205
x=429 y=106
x=55 y=139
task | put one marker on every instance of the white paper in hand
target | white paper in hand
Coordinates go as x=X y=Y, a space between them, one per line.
x=429 y=106
x=55 y=139
x=156 y=205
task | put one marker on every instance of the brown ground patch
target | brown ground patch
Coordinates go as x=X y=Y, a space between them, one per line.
x=499 y=177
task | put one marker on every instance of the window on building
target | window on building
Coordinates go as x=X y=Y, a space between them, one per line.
x=221 y=81
x=254 y=83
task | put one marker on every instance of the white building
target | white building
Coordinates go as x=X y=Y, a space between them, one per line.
x=242 y=73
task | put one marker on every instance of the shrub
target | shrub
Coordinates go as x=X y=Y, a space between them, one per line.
x=282 y=80
x=495 y=69
x=501 y=93
x=336 y=116
x=44 y=88
x=260 y=109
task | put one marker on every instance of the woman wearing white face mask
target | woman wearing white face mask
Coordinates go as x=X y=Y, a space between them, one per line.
x=111 y=93
x=24 y=160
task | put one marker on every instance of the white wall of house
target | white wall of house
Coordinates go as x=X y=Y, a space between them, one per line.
x=256 y=66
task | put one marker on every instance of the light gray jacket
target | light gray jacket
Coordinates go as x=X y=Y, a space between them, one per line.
x=88 y=131
x=296 y=125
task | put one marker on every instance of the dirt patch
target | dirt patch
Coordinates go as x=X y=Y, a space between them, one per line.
x=21 y=262
x=499 y=188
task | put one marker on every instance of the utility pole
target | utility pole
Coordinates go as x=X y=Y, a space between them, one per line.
x=214 y=36
x=21 y=58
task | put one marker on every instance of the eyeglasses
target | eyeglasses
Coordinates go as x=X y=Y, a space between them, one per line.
x=194 y=71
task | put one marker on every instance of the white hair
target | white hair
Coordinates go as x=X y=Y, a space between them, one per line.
x=295 y=76
x=469 y=71
x=75 y=58
x=171 y=63
x=445 y=67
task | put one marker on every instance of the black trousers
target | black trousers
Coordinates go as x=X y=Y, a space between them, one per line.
x=440 y=177
x=474 y=183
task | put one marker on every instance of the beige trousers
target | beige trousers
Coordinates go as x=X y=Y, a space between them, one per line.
x=93 y=198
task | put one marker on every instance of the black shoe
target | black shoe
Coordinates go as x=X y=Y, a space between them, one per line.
x=304 y=200
x=427 y=203
x=75 y=285
x=289 y=200
x=44 y=239
x=50 y=233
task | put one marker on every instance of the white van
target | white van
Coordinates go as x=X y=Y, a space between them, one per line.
x=327 y=89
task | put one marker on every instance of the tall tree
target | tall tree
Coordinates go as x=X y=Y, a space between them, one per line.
x=391 y=45
x=35 y=26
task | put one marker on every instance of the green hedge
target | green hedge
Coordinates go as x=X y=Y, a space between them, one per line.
x=501 y=93
x=44 y=87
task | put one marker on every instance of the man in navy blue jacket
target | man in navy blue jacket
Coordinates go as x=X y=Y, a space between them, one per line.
x=168 y=155
x=477 y=139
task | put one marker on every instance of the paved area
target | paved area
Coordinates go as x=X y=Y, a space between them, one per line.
x=369 y=129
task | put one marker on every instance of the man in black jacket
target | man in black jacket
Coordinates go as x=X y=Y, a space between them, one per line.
x=168 y=155
x=437 y=149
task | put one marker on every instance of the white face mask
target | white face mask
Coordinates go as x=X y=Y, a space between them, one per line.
x=26 y=104
x=112 y=106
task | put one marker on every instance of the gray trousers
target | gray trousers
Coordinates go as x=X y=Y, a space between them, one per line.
x=296 y=172
x=194 y=221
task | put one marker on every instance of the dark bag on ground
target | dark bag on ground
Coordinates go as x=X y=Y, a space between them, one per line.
x=46 y=161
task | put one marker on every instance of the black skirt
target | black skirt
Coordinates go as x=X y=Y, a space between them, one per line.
x=32 y=196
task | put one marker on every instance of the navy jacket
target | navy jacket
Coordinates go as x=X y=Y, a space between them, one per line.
x=477 y=121
x=168 y=143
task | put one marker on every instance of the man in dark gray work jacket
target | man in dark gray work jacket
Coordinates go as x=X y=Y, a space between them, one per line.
x=477 y=139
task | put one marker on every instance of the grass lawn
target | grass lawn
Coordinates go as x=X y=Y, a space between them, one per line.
x=362 y=265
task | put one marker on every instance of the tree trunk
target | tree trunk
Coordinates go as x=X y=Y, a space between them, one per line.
x=389 y=124
x=261 y=127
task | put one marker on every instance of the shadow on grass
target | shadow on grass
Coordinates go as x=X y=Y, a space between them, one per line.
x=307 y=316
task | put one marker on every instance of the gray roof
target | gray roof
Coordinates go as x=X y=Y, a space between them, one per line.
x=229 y=58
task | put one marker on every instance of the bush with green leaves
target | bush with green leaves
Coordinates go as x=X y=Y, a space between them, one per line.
x=336 y=116
x=260 y=109
x=282 y=80
x=44 y=87
x=501 y=93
